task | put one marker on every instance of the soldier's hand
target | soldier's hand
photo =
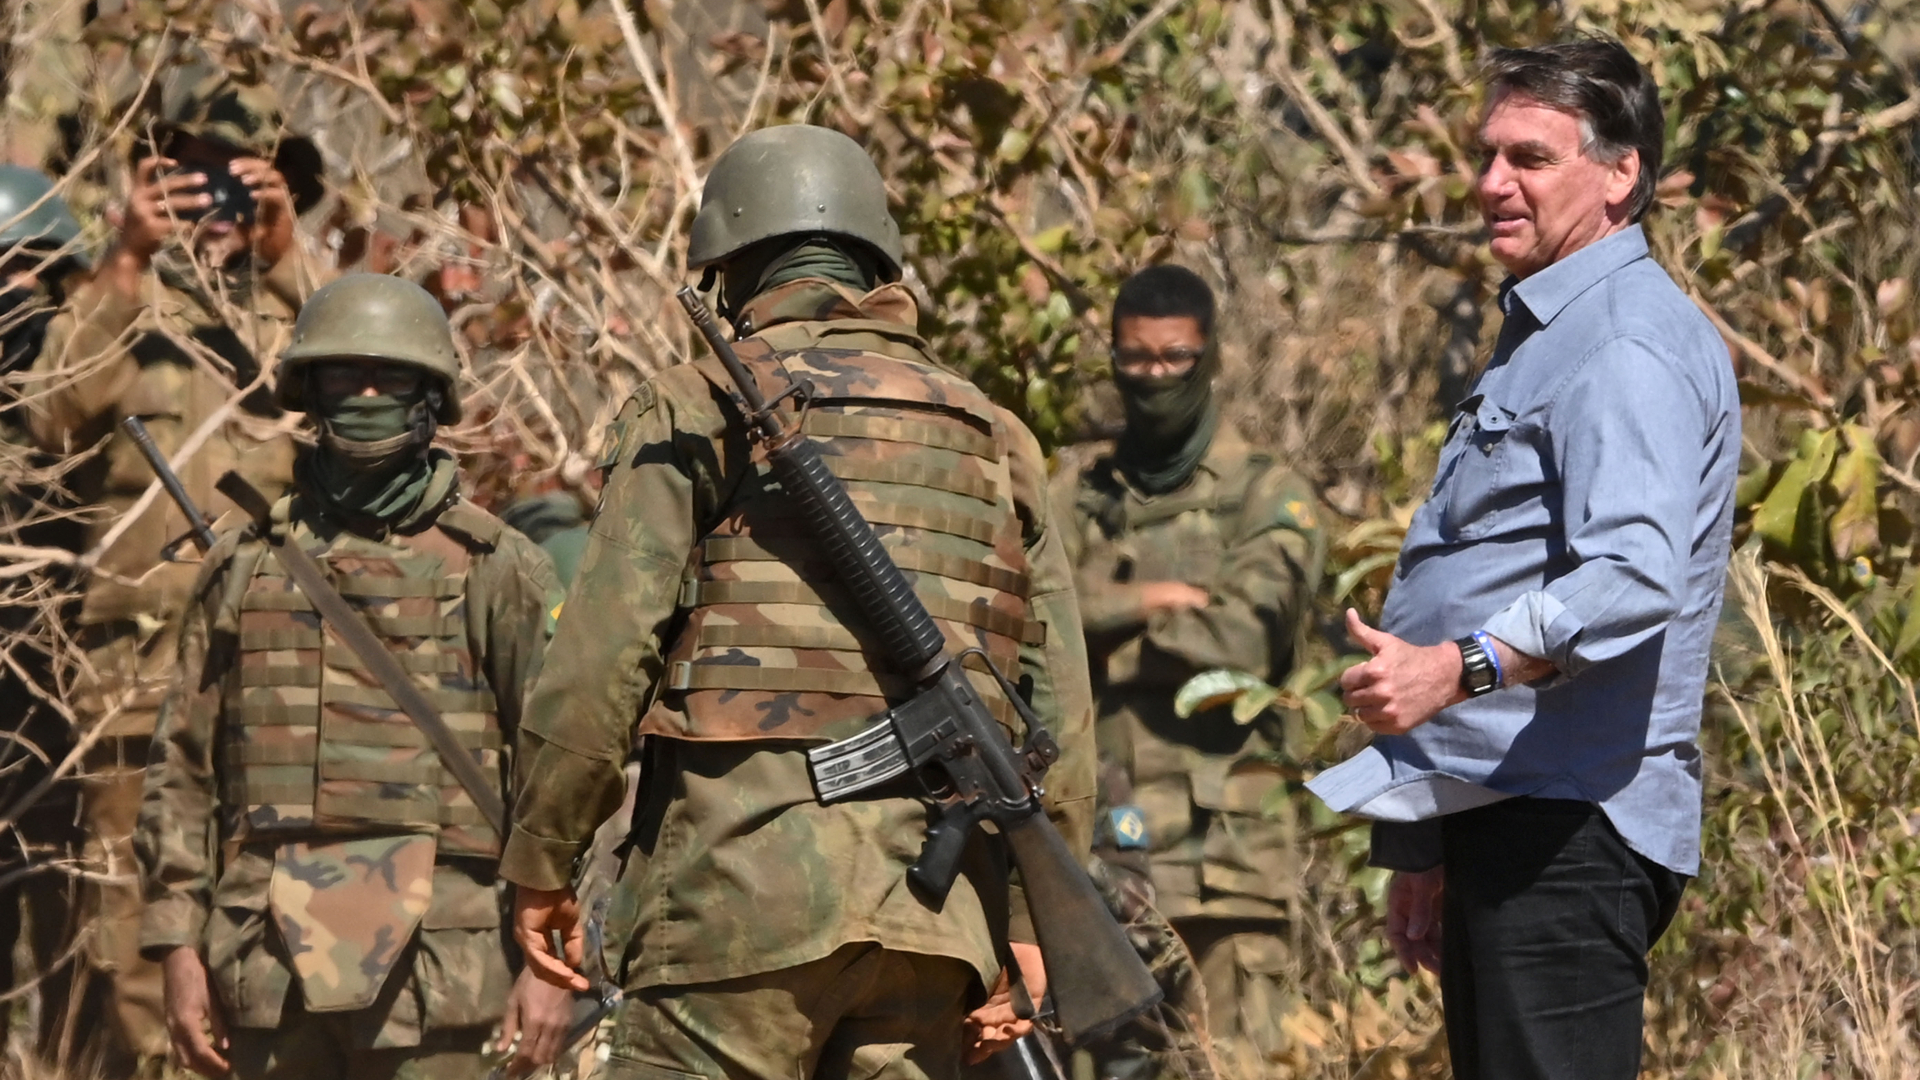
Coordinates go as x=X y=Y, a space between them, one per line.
x=995 y=1026
x=540 y=1013
x=193 y=1020
x=273 y=218
x=158 y=204
x=1403 y=685
x=535 y=913
x=1172 y=596
x=1413 y=918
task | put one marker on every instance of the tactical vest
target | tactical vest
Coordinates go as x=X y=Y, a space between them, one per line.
x=1197 y=558
x=313 y=744
x=771 y=646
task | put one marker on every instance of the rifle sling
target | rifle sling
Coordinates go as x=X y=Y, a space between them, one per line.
x=347 y=622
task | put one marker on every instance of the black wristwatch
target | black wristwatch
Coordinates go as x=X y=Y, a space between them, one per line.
x=1478 y=671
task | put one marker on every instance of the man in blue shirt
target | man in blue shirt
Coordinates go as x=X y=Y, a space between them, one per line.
x=1537 y=681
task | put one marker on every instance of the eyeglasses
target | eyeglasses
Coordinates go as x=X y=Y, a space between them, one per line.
x=1177 y=361
x=345 y=378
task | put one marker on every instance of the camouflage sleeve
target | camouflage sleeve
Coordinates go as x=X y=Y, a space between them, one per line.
x=85 y=366
x=1056 y=670
x=1266 y=579
x=607 y=647
x=174 y=836
x=522 y=598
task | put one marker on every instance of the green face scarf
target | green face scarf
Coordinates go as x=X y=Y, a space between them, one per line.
x=1170 y=424
x=373 y=467
x=765 y=266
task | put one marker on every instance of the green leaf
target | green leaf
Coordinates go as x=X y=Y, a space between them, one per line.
x=1855 y=525
x=1910 y=629
x=1212 y=689
x=1253 y=703
x=1356 y=573
x=1781 y=518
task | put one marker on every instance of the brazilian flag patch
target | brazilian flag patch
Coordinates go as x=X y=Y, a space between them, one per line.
x=1129 y=828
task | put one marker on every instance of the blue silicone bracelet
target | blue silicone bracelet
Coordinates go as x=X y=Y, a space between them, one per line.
x=1486 y=644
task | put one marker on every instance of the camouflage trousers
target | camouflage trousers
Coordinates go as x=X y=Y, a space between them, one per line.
x=863 y=1012
x=1244 y=970
x=318 y=1045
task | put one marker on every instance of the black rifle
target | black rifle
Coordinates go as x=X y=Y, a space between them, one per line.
x=1030 y=1058
x=199 y=529
x=946 y=737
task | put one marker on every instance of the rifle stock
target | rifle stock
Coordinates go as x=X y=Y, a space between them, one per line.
x=1096 y=979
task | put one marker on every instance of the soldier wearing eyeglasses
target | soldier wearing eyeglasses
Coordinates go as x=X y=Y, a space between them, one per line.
x=1195 y=551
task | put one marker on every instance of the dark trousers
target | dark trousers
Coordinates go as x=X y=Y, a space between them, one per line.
x=1547 y=921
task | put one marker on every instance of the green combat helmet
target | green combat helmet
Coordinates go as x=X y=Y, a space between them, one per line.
x=793 y=179
x=31 y=216
x=376 y=317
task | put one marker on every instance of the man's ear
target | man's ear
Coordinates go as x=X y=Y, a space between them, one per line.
x=1622 y=176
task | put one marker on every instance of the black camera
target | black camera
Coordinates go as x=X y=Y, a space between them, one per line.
x=232 y=198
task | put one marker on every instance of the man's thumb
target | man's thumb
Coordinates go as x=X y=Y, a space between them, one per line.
x=1369 y=638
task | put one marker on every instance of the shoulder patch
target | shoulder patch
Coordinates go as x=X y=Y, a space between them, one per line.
x=1299 y=513
x=471 y=523
x=613 y=444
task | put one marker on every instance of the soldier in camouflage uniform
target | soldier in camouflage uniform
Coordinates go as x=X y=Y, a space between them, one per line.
x=1194 y=551
x=763 y=934
x=171 y=329
x=349 y=923
x=40 y=261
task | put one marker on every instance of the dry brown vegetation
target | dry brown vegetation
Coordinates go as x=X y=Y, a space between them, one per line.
x=536 y=162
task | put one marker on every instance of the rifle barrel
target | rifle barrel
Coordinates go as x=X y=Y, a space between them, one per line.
x=136 y=429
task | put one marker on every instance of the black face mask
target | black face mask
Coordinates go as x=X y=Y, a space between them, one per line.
x=24 y=315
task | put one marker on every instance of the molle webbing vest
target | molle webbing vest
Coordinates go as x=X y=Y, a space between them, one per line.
x=1195 y=554
x=313 y=743
x=772 y=647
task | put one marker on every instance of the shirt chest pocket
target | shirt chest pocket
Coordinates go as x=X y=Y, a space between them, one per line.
x=1495 y=476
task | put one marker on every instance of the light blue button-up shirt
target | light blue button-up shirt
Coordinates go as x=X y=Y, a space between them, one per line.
x=1582 y=512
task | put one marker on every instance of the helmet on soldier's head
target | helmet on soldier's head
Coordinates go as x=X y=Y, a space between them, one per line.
x=33 y=218
x=371 y=317
x=796 y=179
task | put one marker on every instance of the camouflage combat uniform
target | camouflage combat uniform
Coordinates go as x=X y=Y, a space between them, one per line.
x=1222 y=870
x=758 y=928
x=173 y=358
x=296 y=825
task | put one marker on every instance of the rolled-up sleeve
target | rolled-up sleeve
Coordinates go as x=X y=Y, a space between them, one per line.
x=1627 y=432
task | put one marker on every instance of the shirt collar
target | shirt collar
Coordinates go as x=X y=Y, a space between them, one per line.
x=1548 y=292
x=819 y=300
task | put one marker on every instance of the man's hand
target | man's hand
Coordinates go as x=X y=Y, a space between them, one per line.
x=158 y=206
x=1403 y=685
x=540 y=1013
x=193 y=1020
x=273 y=217
x=993 y=1027
x=1413 y=918
x=537 y=911
x=1171 y=596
